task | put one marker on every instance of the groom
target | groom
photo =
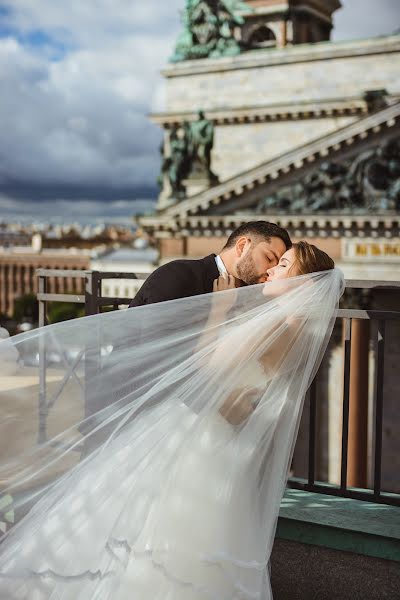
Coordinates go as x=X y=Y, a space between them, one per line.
x=250 y=250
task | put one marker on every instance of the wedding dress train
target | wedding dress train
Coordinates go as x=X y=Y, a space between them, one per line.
x=181 y=487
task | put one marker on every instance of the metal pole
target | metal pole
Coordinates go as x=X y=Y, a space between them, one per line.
x=42 y=433
x=92 y=358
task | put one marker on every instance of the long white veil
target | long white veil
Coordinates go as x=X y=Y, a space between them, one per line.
x=127 y=443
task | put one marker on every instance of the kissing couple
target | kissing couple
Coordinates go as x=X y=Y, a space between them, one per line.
x=201 y=386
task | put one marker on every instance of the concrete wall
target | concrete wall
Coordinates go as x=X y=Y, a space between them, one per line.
x=18 y=274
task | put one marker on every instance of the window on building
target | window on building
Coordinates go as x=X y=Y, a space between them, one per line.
x=262 y=37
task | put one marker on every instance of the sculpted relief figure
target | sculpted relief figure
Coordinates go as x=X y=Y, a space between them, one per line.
x=368 y=183
x=323 y=186
x=374 y=177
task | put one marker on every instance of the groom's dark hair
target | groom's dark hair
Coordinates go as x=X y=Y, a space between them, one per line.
x=259 y=229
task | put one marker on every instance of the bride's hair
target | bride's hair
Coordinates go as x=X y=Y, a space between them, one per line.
x=310 y=259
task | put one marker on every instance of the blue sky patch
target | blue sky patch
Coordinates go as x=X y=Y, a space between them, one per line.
x=4 y=10
x=36 y=39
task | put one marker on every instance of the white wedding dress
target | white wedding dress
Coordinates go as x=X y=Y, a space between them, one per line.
x=177 y=504
x=136 y=487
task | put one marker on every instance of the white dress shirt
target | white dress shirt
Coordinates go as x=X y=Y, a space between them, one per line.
x=220 y=265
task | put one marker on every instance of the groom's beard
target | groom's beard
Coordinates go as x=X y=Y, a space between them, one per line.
x=246 y=269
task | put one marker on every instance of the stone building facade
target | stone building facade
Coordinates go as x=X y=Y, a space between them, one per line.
x=306 y=134
x=280 y=117
x=18 y=273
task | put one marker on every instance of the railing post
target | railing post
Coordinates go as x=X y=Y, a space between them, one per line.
x=42 y=288
x=357 y=466
x=92 y=356
x=42 y=433
x=346 y=396
x=379 y=345
x=312 y=432
x=92 y=292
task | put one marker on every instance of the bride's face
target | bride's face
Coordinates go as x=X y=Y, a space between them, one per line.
x=283 y=269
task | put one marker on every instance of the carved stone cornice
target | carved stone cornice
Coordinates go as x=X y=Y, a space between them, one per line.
x=244 y=189
x=336 y=107
x=288 y=55
x=336 y=226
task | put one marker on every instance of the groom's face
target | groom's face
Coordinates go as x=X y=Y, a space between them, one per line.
x=257 y=257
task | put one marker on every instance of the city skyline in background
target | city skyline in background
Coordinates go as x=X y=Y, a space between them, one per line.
x=78 y=82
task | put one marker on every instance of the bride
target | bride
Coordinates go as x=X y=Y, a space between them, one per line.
x=171 y=489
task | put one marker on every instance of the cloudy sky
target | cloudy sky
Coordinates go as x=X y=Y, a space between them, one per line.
x=78 y=78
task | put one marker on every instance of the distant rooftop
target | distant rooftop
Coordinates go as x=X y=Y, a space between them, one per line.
x=130 y=255
x=9 y=239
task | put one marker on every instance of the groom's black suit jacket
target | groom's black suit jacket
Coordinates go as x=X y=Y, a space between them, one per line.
x=178 y=279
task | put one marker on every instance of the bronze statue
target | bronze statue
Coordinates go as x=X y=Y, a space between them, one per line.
x=190 y=155
x=176 y=165
x=201 y=141
x=180 y=161
x=208 y=29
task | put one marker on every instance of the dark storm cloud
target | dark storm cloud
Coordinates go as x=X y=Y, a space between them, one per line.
x=78 y=80
x=43 y=192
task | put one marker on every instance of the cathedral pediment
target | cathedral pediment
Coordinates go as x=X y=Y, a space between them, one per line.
x=354 y=170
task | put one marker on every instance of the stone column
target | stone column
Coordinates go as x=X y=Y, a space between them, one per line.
x=52 y=284
x=26 y=282
x=358 y=412
x=2 y=289
x=18 y=280
x=10 y=289
x=283 y=34
x=69 y=285
x=34 y=278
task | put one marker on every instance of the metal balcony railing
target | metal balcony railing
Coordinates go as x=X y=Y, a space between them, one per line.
x=92 y=299
x=377 y=321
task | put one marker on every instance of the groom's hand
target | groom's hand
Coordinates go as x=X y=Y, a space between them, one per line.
x=224 y=282
x=224 y=302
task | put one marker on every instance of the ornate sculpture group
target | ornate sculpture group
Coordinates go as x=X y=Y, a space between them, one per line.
x=190 y=146
x=208 y=29
x=369 y=183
